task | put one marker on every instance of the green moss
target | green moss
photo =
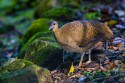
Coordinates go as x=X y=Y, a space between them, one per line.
x=92 y=15
x=44 y=6
x=25 y=47
x=40 y=25
x=18 y=64
x=43 y=35
x=40 y=36
x=38 y=51
x=60 y=14
x=70 y=3
x=13 y=73
x=47 y=5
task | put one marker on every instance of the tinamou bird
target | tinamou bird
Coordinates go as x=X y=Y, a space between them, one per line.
x=80 y=36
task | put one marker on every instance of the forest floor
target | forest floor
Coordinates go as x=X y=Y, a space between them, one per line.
x=107 y=65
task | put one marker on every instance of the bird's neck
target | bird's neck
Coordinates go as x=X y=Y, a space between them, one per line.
x=56 y=33
x=56 y=29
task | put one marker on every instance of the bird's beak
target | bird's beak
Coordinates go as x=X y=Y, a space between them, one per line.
x=50 y=28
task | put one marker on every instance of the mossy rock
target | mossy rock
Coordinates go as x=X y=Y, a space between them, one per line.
x=46 y=5
x=25 y=46
x=70 y=3
x=23 y=71
x=40 y=25
x=32 y=39
x=46 y=36
x=42 y=35
x=62 y=13
x=43 y=51
x=40 y=51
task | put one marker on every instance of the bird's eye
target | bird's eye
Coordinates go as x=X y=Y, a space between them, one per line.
x=54 y=23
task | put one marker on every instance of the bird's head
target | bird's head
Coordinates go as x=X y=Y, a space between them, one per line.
x=53 y=25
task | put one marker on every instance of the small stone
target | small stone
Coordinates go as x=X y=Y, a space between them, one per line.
x=117 y=40
x=120 y=13
x=118 y=26
x=122 y=19
x=82 y=79
x=23 y=71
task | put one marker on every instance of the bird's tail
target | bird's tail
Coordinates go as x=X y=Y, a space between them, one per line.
x=107 y=32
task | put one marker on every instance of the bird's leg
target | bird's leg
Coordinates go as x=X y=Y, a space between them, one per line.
x=106 y=46
x=64 y=57
x=89 y=61
x=80 y=63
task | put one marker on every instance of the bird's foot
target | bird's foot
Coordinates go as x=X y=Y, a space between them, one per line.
x=88 y=62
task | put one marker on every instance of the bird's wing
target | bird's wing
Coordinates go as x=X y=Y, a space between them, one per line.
x=72 y=30
x=90 y=33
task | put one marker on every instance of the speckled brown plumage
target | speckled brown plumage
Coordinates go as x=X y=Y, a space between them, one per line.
x=80 y=36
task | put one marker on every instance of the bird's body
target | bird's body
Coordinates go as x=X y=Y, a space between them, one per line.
x=80 y=36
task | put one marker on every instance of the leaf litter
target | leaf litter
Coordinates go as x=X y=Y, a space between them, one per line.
x=108 y=65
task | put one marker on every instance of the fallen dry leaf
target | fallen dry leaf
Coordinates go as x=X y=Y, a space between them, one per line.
x=102 y=68
x=99 y=45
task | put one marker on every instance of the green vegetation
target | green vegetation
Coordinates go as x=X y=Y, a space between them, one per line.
x=23 y=71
